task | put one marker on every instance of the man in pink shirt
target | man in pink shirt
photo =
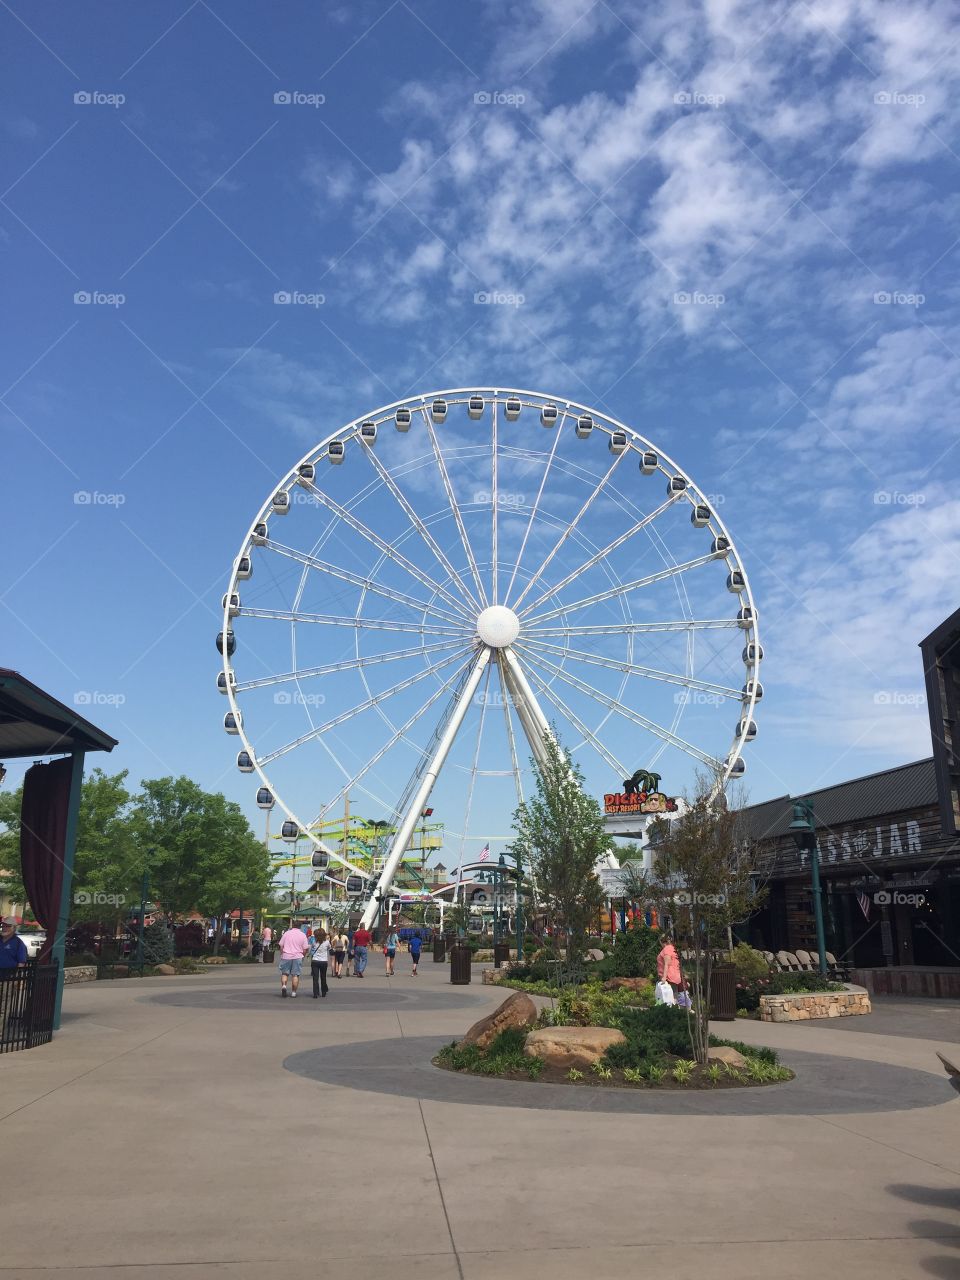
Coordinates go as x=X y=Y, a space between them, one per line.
x=294 y=945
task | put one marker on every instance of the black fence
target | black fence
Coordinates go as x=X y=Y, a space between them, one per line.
x=27 y=998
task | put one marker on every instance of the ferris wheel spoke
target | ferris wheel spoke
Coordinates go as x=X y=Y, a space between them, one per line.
x=361 y=706
x=420 y=527
x=570 y=528
x=335 y=620
x=602 y=554
x=533 y=514
x=632 y=628
x=398 y=735
x=390 y=551
x=627 y=712
x=625 y=587
x=494 y=493
x=349 y=664
x=609 y=759
x=457 y=514
x=632 y=668
x=367 y=584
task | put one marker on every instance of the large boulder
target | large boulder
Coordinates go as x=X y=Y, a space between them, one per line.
x=725 y=1054
x=627 y=984
x=517 y=1011
x=594 y=953
x=166 y=970
x=566 y=1047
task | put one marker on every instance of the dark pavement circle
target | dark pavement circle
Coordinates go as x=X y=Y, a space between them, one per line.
x=824 y=1085
x=346 y=996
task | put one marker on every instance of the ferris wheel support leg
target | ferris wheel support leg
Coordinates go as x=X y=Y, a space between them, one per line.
x=532 y=720
x=422 y=794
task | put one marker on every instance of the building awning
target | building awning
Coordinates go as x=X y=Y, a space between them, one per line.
x=34 y=724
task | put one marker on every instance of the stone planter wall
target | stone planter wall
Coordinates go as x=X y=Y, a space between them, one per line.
x=79 y=973
x=804 y=1005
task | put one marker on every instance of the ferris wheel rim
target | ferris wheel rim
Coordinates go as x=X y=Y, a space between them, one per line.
x=495 y=395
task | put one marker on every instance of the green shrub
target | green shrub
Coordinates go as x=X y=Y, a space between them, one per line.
x=759 y=1052
x=748 y=963
x=634 y=954
x=651 y=1034
x=749 y=991
x=504 y=1053
x=590 y=1006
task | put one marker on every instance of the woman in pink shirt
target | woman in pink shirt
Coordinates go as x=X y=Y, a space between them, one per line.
x=668 y=965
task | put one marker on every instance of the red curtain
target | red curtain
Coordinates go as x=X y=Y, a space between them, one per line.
x=43 y=832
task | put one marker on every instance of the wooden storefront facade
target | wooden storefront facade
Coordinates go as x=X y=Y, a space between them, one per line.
x=890 y=877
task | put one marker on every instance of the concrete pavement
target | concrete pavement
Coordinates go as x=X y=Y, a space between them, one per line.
x=200 y=1126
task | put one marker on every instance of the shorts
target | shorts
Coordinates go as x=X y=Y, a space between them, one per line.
x=415 y=957
x=390 y=951
x=338 y=956
x=291 y=967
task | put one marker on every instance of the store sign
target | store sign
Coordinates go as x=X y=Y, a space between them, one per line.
x=893 y=840
x=630 y=802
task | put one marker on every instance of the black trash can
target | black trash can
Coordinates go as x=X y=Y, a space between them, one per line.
x=723 y=993
x=501 y=952
x=439 y=948
x=460 y=960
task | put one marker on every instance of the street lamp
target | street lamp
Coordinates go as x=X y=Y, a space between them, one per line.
x=803 y=828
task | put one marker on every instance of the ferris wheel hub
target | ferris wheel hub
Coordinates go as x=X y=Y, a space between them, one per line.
x=498 y=626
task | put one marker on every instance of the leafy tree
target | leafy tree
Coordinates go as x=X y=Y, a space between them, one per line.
x=11 y=879
x=200 y=850
x=107 y=869
x=702 y=880
x=236 y=867
x=560 y=837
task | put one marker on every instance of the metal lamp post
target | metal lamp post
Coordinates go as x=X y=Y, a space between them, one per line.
x=803 y=828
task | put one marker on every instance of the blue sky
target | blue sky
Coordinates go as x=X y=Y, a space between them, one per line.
x=732 y=226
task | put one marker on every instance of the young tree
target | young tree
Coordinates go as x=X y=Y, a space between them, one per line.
x=701 y=880
x=560 y=838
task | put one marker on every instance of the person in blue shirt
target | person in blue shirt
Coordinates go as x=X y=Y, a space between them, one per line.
x=415 y=945
x=13 y=950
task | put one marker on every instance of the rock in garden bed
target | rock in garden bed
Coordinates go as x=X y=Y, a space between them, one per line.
x=566 y=1047
x=517 y=1011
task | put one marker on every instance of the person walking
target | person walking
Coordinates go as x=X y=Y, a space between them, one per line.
x=361 y=940
x=265 y=939
x=416 y=943
x=390 y=950
x=319 y=959
x=293 y=947
x=668 y=965
x=338 y=949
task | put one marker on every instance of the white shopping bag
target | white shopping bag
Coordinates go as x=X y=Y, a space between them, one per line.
x=664 y=993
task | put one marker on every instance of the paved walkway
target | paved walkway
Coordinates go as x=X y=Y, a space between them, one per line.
x=201 y=1126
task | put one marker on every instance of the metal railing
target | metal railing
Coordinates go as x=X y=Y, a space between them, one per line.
x=27 y=999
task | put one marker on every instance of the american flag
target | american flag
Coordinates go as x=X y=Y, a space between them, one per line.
x=484 y=853
x=864 y=902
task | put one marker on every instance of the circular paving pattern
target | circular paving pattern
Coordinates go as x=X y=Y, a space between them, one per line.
x=824 y=1085
x=346 y=997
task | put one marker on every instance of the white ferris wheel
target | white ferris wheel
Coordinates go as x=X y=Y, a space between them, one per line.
x=444 y=582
